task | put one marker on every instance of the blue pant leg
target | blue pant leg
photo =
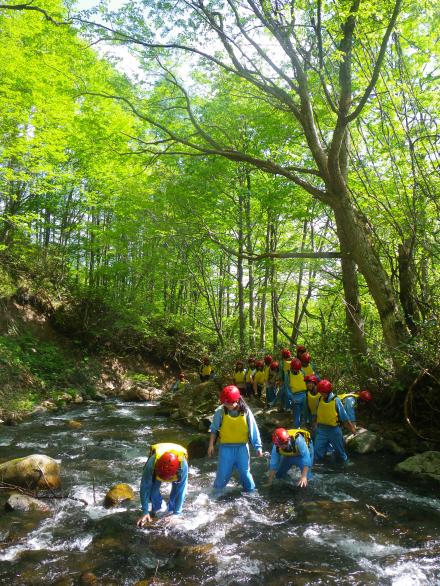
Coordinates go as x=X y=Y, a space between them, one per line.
x=337 y=441
x=155 y=496
x=226 y=461
x=321 y=441
x=298 y=403
x=243 y=466
x=178 y=491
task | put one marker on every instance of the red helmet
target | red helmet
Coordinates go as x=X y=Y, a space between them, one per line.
x=167 y=466
x=230 y=394
x=259 y=363
x=280 y=436
x=285 y=353
x=310 y=378
x=295 y=364
x=305 y=358
x=182 y=375
x=268 y=359
x=206 y=360
x=274 y=365
x=324 y=386
x=365 y=395
x=300 y=348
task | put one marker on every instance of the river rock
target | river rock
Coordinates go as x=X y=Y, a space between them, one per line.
x=191 y=557
x=49 y=405
x=364 y=442
x=74 y=424
x=138 y=394
x=197 y=447
x=24 y=504
x=118 y=494
x=36 y=471
x=425 y=466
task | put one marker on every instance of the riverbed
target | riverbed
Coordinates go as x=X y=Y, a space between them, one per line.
x=283 y=535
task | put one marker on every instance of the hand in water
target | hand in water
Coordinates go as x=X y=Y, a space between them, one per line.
x=144 y=520
x=260 y=453
x=302 y=482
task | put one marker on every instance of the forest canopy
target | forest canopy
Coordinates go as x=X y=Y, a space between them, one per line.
x=266 y=173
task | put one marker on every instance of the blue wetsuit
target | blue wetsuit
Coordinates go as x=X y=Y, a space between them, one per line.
x=327 y=435
x=231 y=455
x=282 y=463
x=150 y=488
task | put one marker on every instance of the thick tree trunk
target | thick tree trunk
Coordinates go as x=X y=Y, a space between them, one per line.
x=352 y=234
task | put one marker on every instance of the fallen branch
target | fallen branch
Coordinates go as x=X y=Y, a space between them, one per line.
x=34 y=494
x=376 y=513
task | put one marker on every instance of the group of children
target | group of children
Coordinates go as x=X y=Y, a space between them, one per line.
x=292 y=383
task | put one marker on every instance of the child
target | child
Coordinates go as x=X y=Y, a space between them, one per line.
x=272 y=384
x=350 y=402
x=329 y=413
x=307 y=366
x=180 y=383
x=249 y=378
x=291 y=447
x=167 y=462
x=283 y=395
x=259 y=379
x=235 y=426
x=312 y=396
x=206 y=371
x=297 y=391
x=239 y=375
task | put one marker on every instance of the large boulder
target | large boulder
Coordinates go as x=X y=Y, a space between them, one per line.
x=425 y=467
x=118 y=494
x=35 y=471
x=24 y=504
x=364 y=442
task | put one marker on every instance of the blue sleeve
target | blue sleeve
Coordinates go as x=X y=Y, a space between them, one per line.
x=275 y=459
x=147 y=483
x=341 y=411
x=254 y=434
x=350 y=408
x=216 y=420
x=179 y=489
x=301 y=446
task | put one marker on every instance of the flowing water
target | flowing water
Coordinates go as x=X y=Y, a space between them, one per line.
x=324 y=534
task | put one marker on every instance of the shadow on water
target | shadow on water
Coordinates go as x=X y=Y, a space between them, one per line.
x=326 y=534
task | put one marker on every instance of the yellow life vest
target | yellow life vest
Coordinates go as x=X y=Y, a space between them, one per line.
x=249 y=374
x=266 y=371
x=260 y=377
x=239 y=376
x=326 y=413
x=294 y=434
x=345 y=395
x=159 y=449
x=206 y=369
x=312 y=401
x=308 y=369
x=234 y=430
x=181 y=384
x=296 y=382
x=286 y=365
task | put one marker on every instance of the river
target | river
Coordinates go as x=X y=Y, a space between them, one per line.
x=324 y=534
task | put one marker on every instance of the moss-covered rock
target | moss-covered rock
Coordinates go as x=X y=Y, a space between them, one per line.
x=425 y=467
x=118 y=494
x=35 y=471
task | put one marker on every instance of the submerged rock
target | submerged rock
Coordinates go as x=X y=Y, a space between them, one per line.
x=118 y=494
x=35 y=471
x=74 y=424
x=425 y=466
x=24 y=504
